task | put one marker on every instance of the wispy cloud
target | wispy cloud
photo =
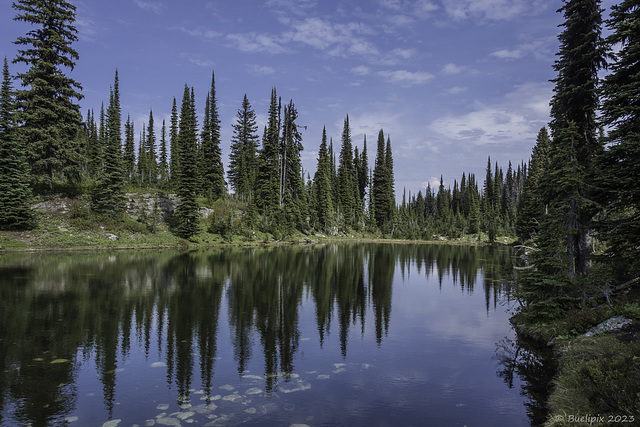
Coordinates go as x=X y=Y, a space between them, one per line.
x=542 y=49
x=516 y=119
x=254 y=42
x=451 y=69
x=201 y=32
x=494 y=10
x=152 y=6
x=336 y=39
x=198 y=60
x=262 y=70
x=405 y=77
x=361 y=70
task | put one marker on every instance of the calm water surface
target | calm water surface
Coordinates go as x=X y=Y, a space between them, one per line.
x=357 y=335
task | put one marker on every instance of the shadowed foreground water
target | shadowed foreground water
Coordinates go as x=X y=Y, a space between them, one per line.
x=351 y=334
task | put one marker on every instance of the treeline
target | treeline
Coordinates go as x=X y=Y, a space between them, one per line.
x=49 y=148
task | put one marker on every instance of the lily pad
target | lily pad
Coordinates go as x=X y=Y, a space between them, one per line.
x=57 y=361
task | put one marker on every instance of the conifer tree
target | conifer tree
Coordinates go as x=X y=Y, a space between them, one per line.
x=346 y=178
x=323 y=202
x=291 y=181
x=163 y=165
x=269 y=173
x=94 y=149
x=129 y=150
x=213 y=184
x=573 y=126
x=173 y=143
x=15 y=192
x=187 y=214
x=532 y=206
x=390 y=181
x=109 y=195
x=151 y=164
x=381 y=184
x=242 y=159
x=620 y=164
x=49 y=117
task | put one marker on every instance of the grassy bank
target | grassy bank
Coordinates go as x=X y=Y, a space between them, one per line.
x=598 y=381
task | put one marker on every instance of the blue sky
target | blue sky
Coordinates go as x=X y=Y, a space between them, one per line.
x=450 y=81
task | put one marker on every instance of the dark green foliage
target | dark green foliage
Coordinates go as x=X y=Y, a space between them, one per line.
x=50 y=120
x=347 y=180
x=532 y=206
x=292 y=192
x=150 y=172
x=129 y=151
x=322 y=189
x=620 y=164
x=15 y=193
x=163 y=165
x=108 y=196
x=173 y=143
x=212 y=172
x=187 y=212
x=242 y=159
x=382 y=188
x=268 y=178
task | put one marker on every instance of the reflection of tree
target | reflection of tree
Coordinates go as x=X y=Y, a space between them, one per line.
x=107 y=304
x=536 y=367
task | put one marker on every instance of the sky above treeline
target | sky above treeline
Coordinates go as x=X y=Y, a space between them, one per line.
x=450 y=81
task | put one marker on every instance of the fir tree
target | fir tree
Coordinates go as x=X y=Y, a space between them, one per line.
x=382 y=189
x=187 y=214
x=213 y=184
x=151 y=164
x=323 y=202
x=129 y=150
x=269 y=173
x=163 y=166
x=574 y=128
x=15 y=193
x=620 y=164
x=532 y=206
x=173 y=143
x=242 y=159
x=50 y=118
x=291 y=181
x=347 y=179
x=109 y=195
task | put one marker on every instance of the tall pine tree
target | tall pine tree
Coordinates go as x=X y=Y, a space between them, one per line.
x=620 y=164
x=187 y=211
x=242 y=159
x=49 y=117
x=15 y=192
x=213 y=183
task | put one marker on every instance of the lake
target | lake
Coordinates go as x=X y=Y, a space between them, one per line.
x=319 y=335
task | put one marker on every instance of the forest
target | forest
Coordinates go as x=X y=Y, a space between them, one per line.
x=574 y=206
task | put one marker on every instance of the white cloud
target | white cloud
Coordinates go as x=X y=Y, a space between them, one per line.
x=494 y=10
x=518 y=118
x=333 y=38
x=451 y=69
x=261 y=70
x=152 y=6
x=198 y=60
x=542 y=49
x=456 y=90
x=361 y=70
x=253 y=42
x=201 y=32
x=406 y=77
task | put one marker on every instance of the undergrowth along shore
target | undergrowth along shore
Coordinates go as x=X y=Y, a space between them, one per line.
x=597 y=376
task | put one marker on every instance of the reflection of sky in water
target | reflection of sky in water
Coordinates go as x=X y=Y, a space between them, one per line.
x=433 y=366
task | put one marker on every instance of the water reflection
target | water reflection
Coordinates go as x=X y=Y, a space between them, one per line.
x=59 y=312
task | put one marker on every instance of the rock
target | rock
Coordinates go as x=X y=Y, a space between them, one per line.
x=168 y=421
x=112 y=423
x=162 y=407
x=227 y=387
x=158 y=365
x=112 y=236
x=612 y=324
x=253 y=390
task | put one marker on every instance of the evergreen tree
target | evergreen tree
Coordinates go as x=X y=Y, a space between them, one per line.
x=187 y=213
x=269 y=171
x=322 y=188
x=15 y=193
x=381 y=184
x=173 y=143
x=532 y=206
x=213 y=184
x=109 y=194
x=50 y=118
x=94 y=149
x=390 y=181
x=620 y=164
x=129 y=150
x=574 y=128
x=242 y=159
x=291 y=180
x=151 y=164
x=163 y=166
x=346 y=179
